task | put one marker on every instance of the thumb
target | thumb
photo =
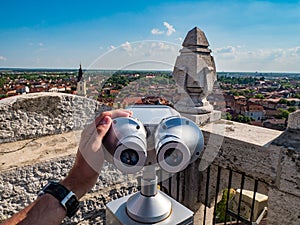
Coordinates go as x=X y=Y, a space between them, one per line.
x=103 y=126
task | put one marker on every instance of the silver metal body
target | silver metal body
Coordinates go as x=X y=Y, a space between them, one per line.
x=116 y=213
x=156 y=137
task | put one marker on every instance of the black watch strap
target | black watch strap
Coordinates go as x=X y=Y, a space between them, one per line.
x=65 y=197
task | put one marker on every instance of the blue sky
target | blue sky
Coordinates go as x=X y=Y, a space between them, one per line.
x=243 y=35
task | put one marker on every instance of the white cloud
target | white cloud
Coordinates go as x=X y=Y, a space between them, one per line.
x=225 y=50
x=126 y=46
x=239 y=58
x=2 y=58
x=226 y=53
x=156 y=31
x=40 y=44
x=111 y=47
x=170 y=28
x=294 y=52
x=146 y=54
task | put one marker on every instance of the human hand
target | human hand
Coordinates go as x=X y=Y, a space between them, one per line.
x=90 y=157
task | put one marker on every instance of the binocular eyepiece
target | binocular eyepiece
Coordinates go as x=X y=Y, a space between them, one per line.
x=156 y=135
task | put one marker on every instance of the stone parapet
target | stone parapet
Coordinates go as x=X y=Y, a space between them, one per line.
x=20 y=186
x=40 y=114
x=270 y=156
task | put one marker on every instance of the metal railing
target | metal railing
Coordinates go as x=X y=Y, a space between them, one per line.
x=227 y=175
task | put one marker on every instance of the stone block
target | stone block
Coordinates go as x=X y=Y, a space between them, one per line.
x=201 y=119
x=283 y=208
x=294 y=120
x=40 y=114
x=289 y=176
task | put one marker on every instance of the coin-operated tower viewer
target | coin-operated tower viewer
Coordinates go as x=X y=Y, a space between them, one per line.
x=156 y=138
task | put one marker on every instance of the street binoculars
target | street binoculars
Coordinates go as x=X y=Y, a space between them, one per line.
x=155 y=135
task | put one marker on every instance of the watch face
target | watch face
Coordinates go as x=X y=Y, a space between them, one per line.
x=72 y=205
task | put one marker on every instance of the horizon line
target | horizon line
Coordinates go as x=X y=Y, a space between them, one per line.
x=98 y=69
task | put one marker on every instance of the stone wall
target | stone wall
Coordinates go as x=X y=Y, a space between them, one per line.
x=31 y=117
x=20 y=186
x=272 y=157
x=40 y=114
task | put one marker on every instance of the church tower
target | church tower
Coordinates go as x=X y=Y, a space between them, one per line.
x=81 y=83
x=80 y=73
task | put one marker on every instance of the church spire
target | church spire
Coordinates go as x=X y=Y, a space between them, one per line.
x=80 y=73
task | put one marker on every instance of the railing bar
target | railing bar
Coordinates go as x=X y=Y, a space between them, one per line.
x=182 y=182
x=239 y=218
x=206 y=193
x=177 y=185
x=217 y=193
x=228 y=194
x=170 y=184
x=253 y=200
x=184 y=186
x=241 y=194
x=200 y=185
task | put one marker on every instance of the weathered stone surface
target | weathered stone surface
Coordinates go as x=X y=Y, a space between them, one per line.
x=195 y=73
x=294 y=120
x=38 y=149
x=19 y=187
x=40 y=114
x=202 y=119
x=283 y=208
x=289 y=173
x=290 y=138
x=195 y=37
x=242 y=148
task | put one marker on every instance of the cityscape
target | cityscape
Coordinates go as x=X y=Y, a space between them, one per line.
x=260 y=99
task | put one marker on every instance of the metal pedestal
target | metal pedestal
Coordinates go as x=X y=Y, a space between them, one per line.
x=116 y=213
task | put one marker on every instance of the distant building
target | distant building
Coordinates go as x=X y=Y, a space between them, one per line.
x=255 y=111
x=22 y=90
x=81 y=83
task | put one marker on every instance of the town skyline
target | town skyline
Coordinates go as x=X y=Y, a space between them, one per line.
x=244 y=35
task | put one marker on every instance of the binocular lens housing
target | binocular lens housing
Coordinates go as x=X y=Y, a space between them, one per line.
x=125 y=144
x=178 y=142
x=171 y=141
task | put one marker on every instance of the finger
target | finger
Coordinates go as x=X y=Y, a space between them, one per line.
x=113 y=114
x=120 y=113
x=104 y=126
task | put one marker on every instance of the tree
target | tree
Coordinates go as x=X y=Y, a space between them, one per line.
x=228 y=116
x=221 y=206
x=284 y=114
x=292 y=109
x=243 y=119
x=283 y=101
x=259 y=96
x=291 y=103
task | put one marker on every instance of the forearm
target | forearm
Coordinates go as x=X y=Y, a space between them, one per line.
x=44 y=210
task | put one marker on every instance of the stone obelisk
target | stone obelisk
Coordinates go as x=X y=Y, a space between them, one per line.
x=195 y=75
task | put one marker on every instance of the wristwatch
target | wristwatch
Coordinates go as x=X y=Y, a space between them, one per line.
x=65 y=197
